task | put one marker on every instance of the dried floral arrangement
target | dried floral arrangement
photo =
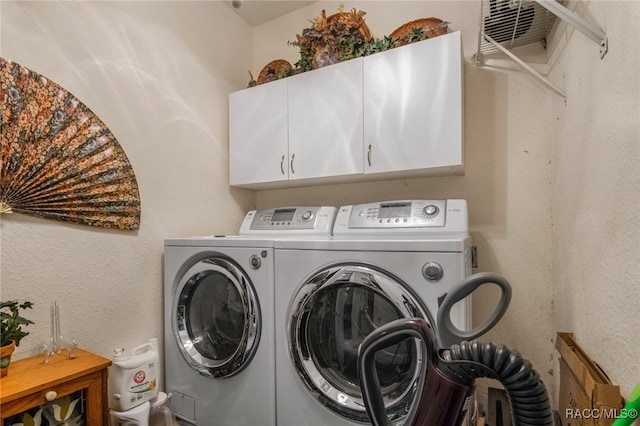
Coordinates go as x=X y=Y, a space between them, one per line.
x=331 y=39
x=343 y=36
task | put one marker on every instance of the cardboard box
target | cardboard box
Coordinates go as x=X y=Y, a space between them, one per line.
x=587 y=396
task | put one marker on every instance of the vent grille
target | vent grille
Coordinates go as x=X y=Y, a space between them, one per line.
x=513 y=23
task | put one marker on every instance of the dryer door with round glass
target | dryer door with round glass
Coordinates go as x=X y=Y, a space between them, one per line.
x=216 y=317
x=330 y=315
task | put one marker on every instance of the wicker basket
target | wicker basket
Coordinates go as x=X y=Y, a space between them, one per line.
x=431 y=27
x=274 y=70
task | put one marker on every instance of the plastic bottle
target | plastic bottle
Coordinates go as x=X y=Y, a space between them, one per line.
x=133 y=379
x=136 y=416
x=161 y=414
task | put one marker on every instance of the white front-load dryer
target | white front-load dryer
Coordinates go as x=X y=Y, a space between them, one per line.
x=386 y=261
x=220 y=317
x=219 y=333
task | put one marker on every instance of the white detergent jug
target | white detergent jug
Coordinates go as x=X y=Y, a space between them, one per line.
x=133 y=379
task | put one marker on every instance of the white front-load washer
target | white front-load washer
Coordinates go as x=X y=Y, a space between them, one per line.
x=386 y=261
x=219 y=318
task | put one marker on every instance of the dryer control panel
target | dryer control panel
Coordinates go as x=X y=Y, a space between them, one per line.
x=289 y=220
x=420 y=217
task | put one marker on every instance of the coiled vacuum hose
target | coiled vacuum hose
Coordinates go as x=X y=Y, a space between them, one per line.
x=527 y=393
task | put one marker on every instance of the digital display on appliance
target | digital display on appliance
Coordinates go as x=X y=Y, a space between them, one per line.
x=393 y=210
x=283 y=215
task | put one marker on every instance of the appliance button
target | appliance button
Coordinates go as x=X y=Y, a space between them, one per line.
x=255 y=262
x=432 y=271
x=430 y=210
x=307 y=215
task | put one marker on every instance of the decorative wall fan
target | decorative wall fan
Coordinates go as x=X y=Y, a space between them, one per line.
x=59 y=160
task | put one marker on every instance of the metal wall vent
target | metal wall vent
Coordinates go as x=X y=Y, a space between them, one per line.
x=513 y=23
x=506 y=24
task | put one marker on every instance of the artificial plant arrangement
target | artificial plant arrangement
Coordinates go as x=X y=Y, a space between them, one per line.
x=343 y=36
x=11 y=332
x=331 y=39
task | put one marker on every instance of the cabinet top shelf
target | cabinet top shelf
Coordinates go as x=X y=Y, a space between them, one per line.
x=30 y=375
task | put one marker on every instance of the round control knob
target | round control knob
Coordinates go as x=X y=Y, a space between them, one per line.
x=51 y=395
x=432 y=271
x=255 y=262
x=430 y=210
x=308 y=215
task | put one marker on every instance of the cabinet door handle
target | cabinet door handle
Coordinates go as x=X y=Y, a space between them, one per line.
x=51 y=395
x=282 y=164
x=369 y=155
x=293 y=157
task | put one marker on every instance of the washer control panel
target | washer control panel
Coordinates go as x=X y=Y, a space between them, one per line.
x=396 y=214
x=316 y=219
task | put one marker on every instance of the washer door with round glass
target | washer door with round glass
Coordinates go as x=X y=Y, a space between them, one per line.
x=216 y=318
x=332 y=312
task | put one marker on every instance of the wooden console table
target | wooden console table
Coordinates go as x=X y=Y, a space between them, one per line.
x=32 y=383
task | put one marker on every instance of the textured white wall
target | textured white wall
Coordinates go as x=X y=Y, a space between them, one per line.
x=158 y=74
x=596 y=191
x=552 y=187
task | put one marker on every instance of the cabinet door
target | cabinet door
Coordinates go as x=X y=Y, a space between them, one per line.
x=258 y=134
x=89 y=392
x=413 y=106
x=325 y=121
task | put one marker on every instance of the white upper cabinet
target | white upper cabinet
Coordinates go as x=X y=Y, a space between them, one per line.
x=258 y=134
x=325 y=121
x=413 y=107
x=395 y=114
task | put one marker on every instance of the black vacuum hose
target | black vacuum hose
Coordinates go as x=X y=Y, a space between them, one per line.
x=526 y=392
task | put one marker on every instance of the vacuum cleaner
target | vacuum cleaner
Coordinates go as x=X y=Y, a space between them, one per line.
x=447 y=378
